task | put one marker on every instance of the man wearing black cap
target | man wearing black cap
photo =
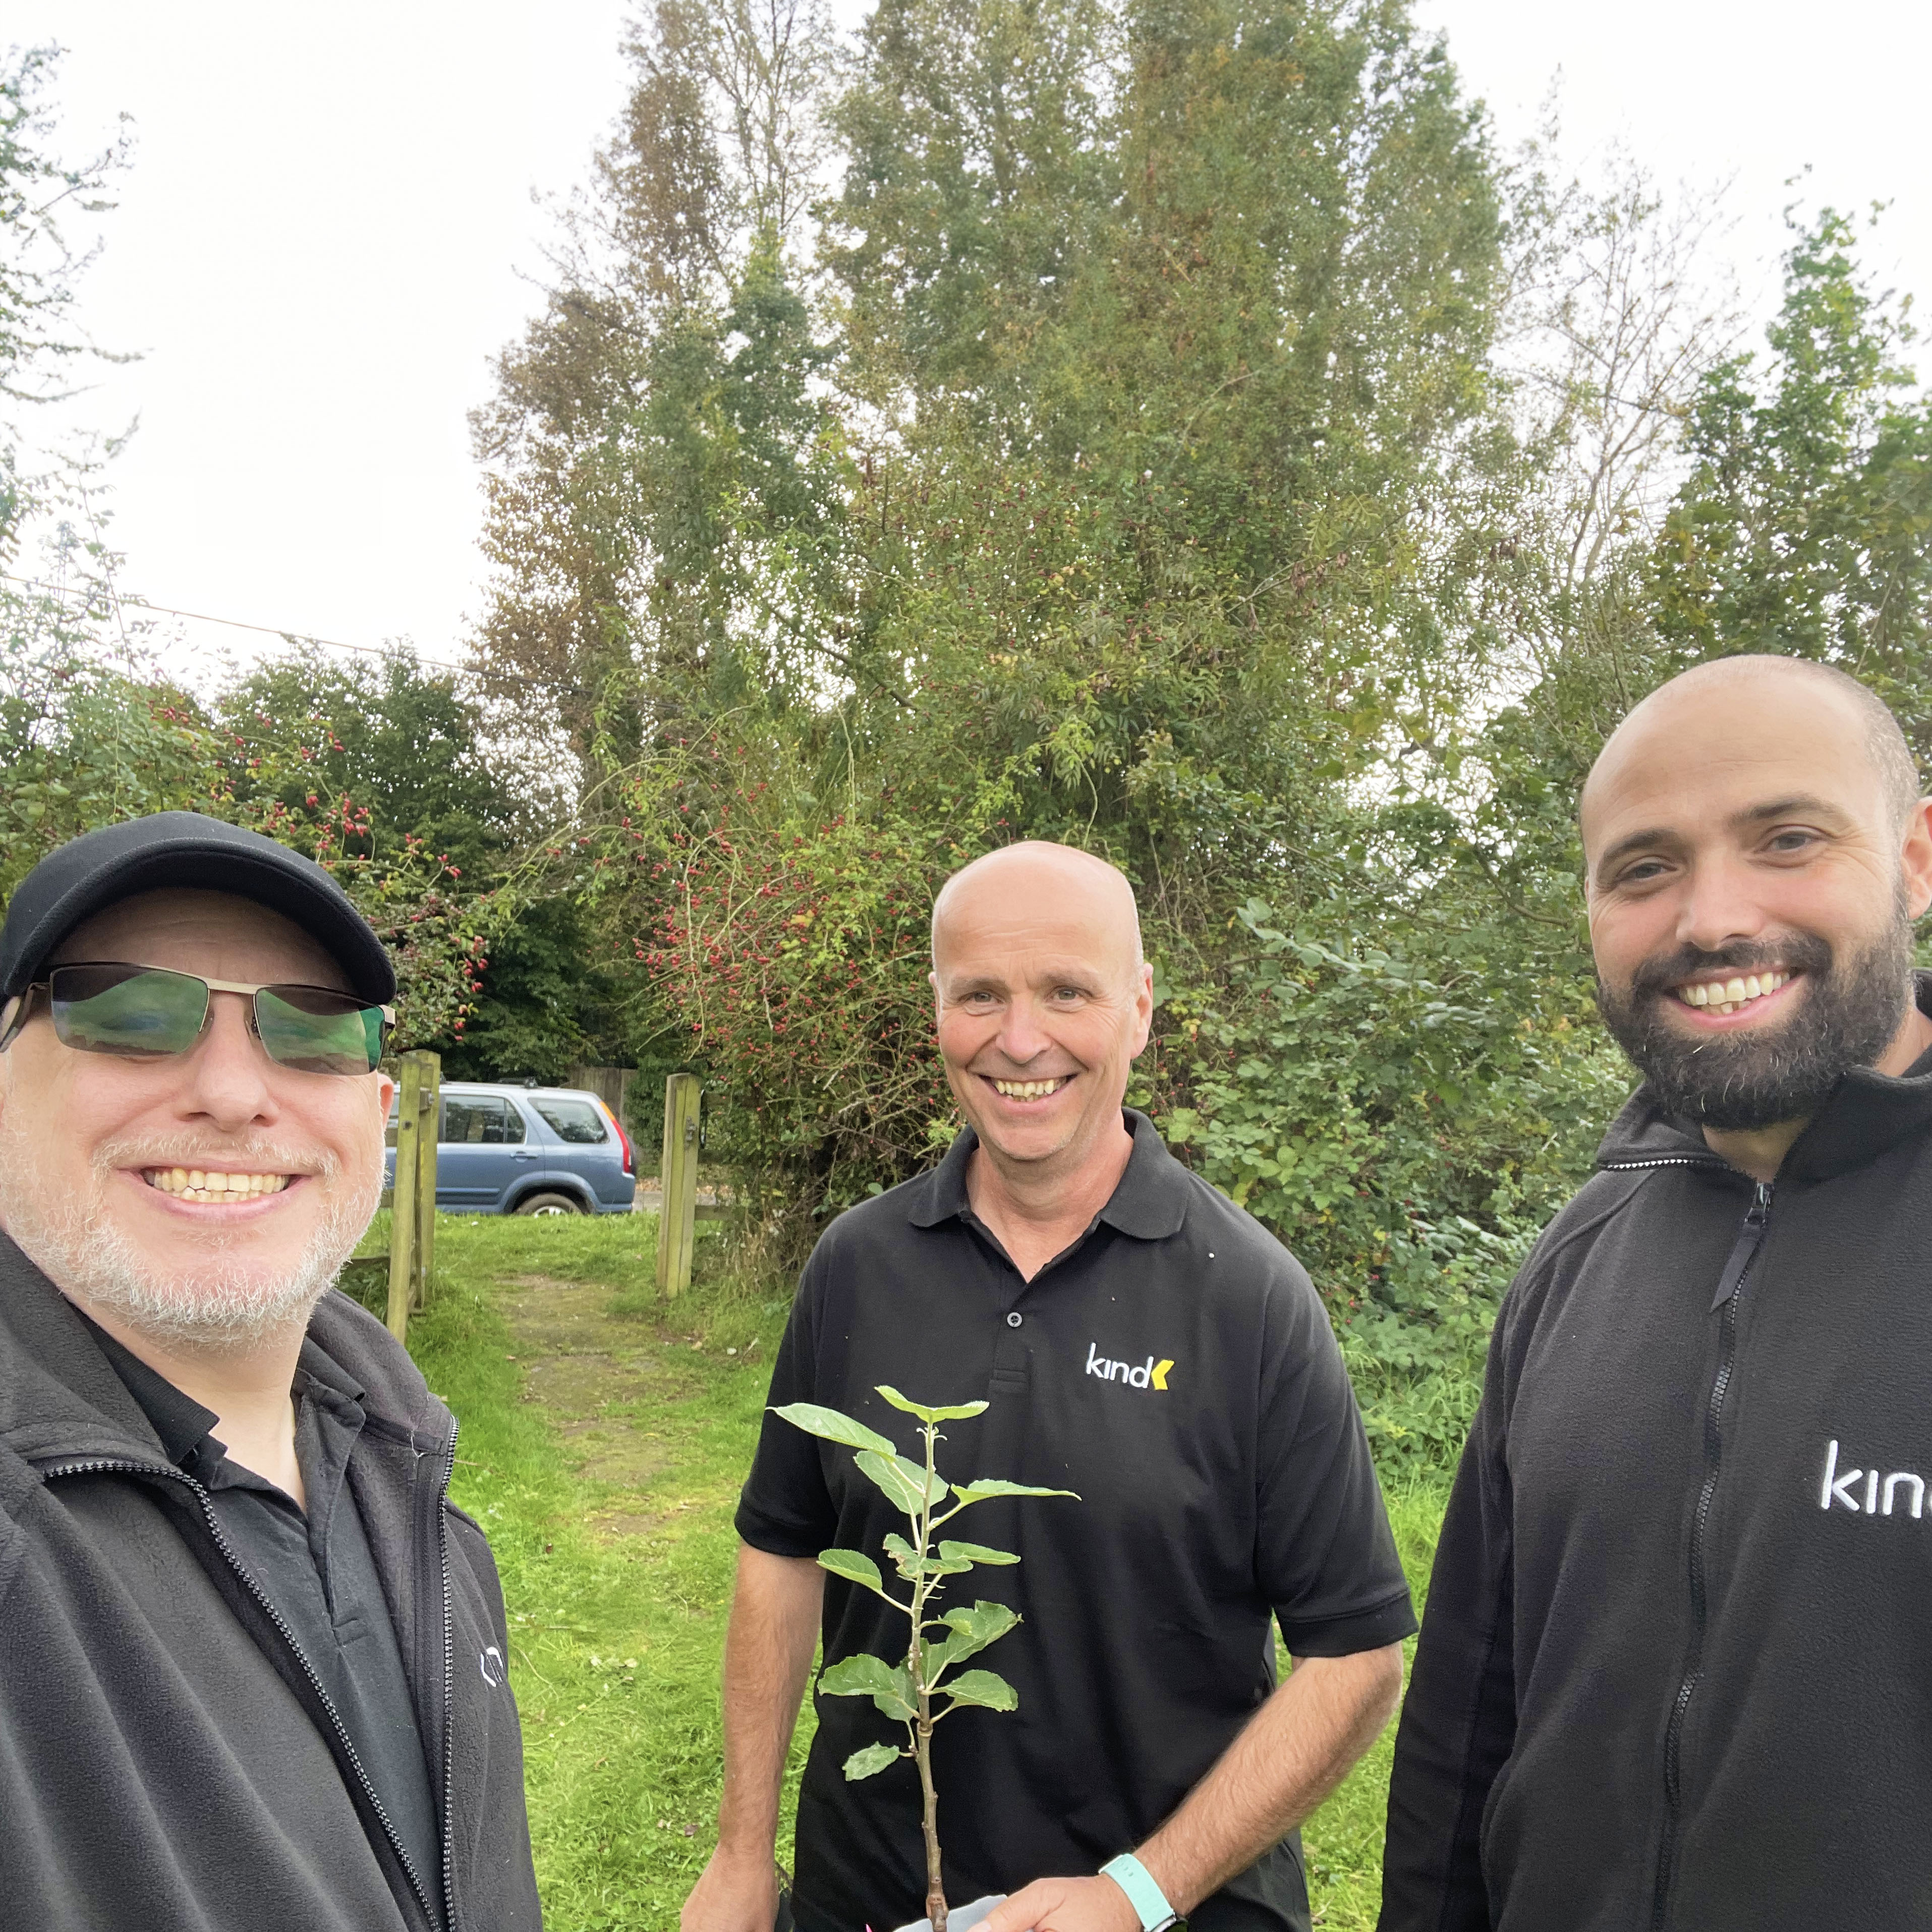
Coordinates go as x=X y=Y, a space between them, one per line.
x=251 y=1657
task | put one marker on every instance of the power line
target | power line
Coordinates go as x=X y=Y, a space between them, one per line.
x=289 y=635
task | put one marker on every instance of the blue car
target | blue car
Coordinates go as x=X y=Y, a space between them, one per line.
x=528 y=1151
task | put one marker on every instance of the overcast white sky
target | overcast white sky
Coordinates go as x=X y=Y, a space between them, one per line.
x=328 y=228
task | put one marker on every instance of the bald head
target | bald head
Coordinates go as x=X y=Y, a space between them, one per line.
x=1042 y=1001
x=1722 y=692
x=1035 y=878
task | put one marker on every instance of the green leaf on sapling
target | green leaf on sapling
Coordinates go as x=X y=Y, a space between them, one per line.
x=834 y=1427
x=972 y=1630
x=910 y=1567
x=983 y=1622
x=873 y=1758
x=970 y=1553
x=964 y=1412
x=901 y=1552
x=985 y=1688
x=979 y=1490
x=854 y=1567
x=888 y=1685
x=905 y=1483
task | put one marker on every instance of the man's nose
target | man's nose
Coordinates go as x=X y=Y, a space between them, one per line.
x=1022 y=1038
x=227 y=1082
x=1720 y=905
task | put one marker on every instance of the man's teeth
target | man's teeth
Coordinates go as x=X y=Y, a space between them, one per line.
x=199 y=1183
x=1029 y=1090
x=1726 y=996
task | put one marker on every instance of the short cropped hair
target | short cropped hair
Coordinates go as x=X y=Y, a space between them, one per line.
x=1885 y=744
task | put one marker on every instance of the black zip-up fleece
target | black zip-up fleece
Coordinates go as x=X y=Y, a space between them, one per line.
x=1675 y=1669
x=167 y=1762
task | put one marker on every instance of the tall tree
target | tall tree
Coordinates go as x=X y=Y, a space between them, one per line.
x=1180 y=314
x=84 y=737
x=1807 y=526
x=660 y=417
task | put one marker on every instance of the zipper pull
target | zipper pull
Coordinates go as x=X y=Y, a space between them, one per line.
x=1745 y=1248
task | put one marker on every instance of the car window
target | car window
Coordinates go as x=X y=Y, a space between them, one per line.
x=474 y=1119
x=573 y=1120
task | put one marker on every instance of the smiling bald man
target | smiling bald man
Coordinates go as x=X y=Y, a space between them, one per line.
x=250 y=1654
x=1137 y=1339
x=1674 y=1672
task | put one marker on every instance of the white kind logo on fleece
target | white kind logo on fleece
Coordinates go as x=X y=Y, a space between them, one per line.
x=1866 y=1492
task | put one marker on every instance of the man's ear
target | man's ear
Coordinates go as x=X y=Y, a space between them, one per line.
x=1144 y=1006
x=1915 y=859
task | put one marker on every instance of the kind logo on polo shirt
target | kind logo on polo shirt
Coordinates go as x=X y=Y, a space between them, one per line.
x=1151 y=1374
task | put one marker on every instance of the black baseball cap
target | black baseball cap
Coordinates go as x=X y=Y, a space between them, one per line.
x=101 y=868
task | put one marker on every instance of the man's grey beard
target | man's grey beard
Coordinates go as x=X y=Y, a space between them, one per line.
x=225 y=1301
x=1760 y=1077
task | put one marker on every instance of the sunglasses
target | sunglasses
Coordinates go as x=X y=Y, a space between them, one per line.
x=144 y=1012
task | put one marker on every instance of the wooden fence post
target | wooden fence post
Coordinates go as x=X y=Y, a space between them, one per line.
x=677 y=1178
x=405 y=1218
x=430 y=1113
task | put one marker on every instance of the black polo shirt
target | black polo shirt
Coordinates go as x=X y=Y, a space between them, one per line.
x=316 y=1568
x=1175 y=1367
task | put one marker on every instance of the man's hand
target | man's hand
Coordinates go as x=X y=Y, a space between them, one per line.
x=738 y=1892
x=1296 y=1749
x=1066 y=1905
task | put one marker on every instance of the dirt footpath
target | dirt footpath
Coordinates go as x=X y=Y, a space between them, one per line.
x=594 y=1374
x=617 y=1397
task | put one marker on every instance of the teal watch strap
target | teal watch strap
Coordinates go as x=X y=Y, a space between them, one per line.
x=1143 y=1894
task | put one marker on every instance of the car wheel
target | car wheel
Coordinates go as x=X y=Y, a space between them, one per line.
x=549 y=1204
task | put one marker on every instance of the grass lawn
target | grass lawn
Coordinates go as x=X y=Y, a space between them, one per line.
x=604 y=1437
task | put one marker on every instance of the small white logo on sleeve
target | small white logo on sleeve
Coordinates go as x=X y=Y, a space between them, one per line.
x=491 y=1663
x=1866 y=1492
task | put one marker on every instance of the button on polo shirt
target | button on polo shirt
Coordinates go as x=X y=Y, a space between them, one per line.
x=316 y=1568
x=1175 y=1368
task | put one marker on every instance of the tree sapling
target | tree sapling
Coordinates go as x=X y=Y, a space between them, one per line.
x=905 y=1691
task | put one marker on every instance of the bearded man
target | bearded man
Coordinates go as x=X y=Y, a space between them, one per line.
x=251 y=1656
x=1674 y=1671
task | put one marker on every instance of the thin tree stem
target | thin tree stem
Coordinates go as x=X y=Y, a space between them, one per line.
x=935 y=1888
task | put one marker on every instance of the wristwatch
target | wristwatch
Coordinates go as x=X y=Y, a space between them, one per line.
x=1143 y=1894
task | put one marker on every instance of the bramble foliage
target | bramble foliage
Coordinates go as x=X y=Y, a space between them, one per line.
x=800 y=964
x=1411 y=1117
